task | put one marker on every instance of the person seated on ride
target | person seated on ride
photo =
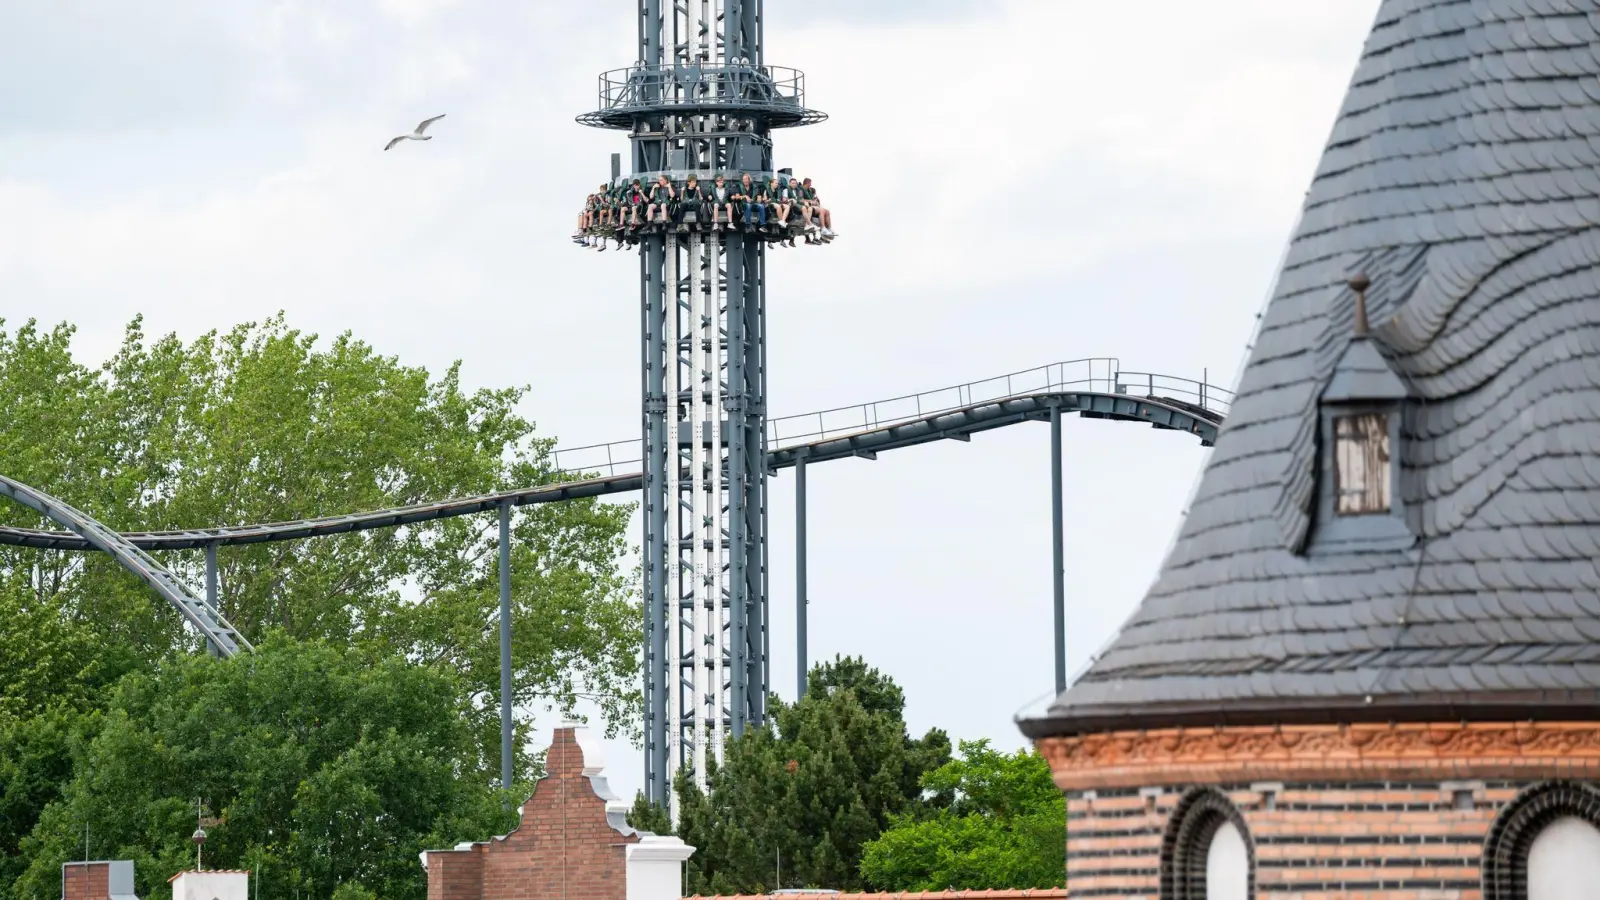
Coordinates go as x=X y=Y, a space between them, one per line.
x=808 y=207
x=789 y=201
x=691 y=200
x=633 y=199
x=581 y=236
x=602 y=206
x=754 y=208
x=616 y=201
x=777 y=210
x=721 y=198
x=662 y=193
x=823 y=214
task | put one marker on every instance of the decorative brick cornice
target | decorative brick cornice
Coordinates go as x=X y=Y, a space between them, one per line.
x=1002 y=894
x=1324 y=752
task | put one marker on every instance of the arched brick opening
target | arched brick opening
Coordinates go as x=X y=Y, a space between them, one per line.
x=1505 y=850
x=1184 y=848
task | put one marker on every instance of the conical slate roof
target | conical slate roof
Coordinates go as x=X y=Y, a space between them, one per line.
x=1463 y=178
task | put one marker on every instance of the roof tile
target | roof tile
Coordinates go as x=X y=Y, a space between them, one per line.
x=1463 y=177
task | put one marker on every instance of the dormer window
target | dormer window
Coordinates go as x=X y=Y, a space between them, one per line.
x=1362 y=477
x=1359 y=501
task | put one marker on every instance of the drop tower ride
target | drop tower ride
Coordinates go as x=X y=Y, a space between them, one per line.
x=702 y=101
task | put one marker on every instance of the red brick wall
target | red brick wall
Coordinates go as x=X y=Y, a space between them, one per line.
x=1397 y=811
x=456 y=875
x=1024 y=894
x=1315 y=841
x=564 y=847
x=85 y=881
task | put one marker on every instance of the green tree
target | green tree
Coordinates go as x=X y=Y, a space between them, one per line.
x=1003 y=827
x=35 y=763
x=46 y=659
x=265 y=423
x=792 y=804
x=325 y=767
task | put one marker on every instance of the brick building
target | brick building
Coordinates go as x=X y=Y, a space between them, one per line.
x=572 y=843
x=1370 y=665
x=97 y=880
x=1024 y=894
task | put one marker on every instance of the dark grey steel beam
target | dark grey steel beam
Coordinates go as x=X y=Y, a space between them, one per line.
x=212 y=599
x=658 y=496
x=506 y=768
x=739 y=259
x=1058 y=549
x=801 y=669
x=647 y=574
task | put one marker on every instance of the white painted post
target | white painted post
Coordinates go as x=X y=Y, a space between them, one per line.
x=655 y=868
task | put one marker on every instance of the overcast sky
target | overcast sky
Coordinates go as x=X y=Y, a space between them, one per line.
x=1016 y=182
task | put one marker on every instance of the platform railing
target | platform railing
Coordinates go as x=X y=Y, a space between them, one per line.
x=615 y=458
x=739 y=85
x=706 y=177
x=1203 y=394
x=1101 y=375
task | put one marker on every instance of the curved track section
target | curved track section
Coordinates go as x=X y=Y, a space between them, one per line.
x=867 y=440
x=219 y=634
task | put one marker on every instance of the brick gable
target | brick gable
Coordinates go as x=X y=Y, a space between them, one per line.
x=567 y=846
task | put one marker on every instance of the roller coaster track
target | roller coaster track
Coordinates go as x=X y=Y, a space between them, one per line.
x=218 y=633
x=954 y=413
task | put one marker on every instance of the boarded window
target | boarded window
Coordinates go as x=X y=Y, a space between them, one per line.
x=1361 y=471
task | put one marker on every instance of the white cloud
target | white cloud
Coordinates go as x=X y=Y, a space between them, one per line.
x=1017 y=182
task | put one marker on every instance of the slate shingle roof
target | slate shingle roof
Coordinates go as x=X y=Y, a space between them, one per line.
x=1462 y=177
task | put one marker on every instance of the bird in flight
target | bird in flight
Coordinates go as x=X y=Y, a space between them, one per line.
x=416 y=135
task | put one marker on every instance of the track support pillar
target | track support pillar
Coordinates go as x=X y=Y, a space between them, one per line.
x=506 y=756
x=1057 y=549
x=800 y=600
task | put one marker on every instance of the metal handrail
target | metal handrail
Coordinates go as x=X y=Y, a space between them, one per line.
x=1207 y=396
x=771 y=95
x=706 y=177
x=1101 y=375
x=1098 y=374
x=739 y=83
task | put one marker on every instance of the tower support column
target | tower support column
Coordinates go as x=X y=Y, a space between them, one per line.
x=700 y=100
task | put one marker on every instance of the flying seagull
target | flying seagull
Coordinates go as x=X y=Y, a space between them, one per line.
x=416 y=135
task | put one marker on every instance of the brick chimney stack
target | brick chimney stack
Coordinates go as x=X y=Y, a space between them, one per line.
x=97 y=881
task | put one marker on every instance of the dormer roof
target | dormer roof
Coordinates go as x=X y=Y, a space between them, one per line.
x=1463 y=177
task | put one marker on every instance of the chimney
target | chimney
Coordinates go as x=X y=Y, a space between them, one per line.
x=212 y=884
x=97 y=881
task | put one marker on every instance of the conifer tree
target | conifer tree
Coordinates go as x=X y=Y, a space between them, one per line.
x=794 y=802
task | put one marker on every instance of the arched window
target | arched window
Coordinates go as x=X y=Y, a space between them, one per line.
x=1206 y=854
x=1564 y=861
x=1545 y=846
x=1228 y=865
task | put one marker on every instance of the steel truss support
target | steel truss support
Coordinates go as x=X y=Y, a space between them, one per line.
x=704 y=387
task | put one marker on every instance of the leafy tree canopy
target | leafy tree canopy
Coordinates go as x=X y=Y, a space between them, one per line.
x=792 y=804
x=264 y=424
x=1002 y=825
x=325 y=767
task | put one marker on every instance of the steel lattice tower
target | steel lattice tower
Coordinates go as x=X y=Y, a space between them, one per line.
x=700 y=100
